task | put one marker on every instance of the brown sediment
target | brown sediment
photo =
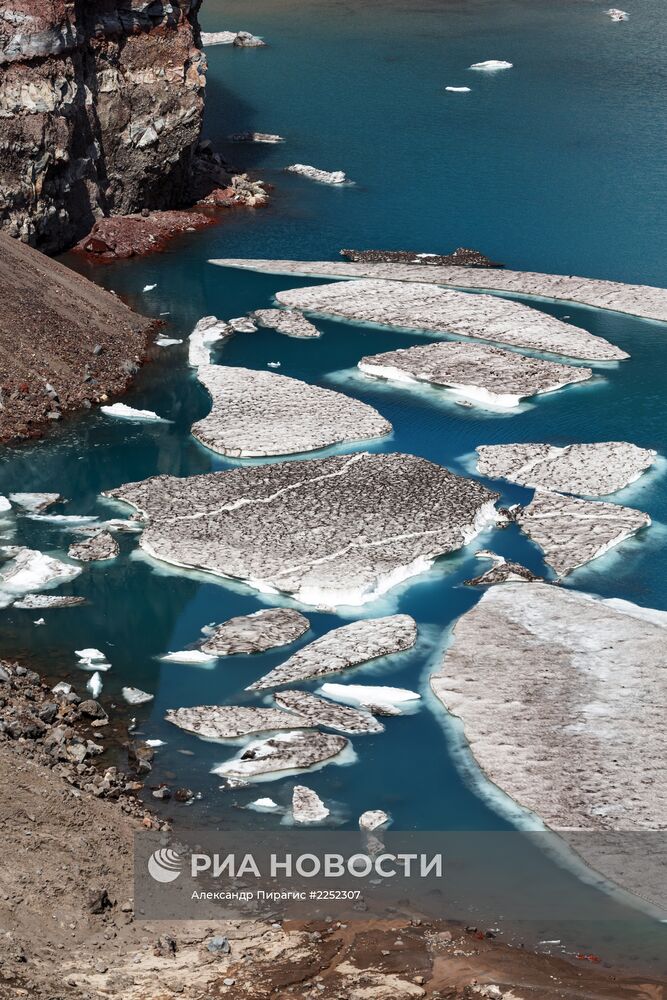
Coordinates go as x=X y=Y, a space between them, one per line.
x=65 y=343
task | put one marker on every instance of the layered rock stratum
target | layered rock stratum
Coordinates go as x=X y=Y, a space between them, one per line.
x=101 y=105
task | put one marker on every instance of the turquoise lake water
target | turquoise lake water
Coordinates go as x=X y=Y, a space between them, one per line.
x=555 y=165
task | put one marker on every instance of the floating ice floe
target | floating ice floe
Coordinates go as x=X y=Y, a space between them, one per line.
x=62 y=687
x=148 y=288
x=209 y=331
x=291 y=751
x=564 y=711
x=255 y=633
x=34 y=601
x=240 y=39
x=135 y=696
x=273 y=364
x=501 y=571
x=121 y=411
x=154 y=743
x=257 y=414
x=195 y=657
x=66 y=520
x=645 y=301
x=92 y=659
x=319 y=712
x=225 y=722
x=266 y=137
x=5 y=505
x=415 y=305
x=596 y=469
x=334 y=531
x=99 y=546
x=291 y=322
x=94 y=684
x=307 y=806
x=483 y=374
x=491 y=65
x=373 y=819
x=34 y=501
x=371 y=696
x=322 y=176
x=571 y=532
x=264 y=805
x=29 y=569
x=167 y=341
x=458 y=90
x=617 y=15
x=40 y=621
x=343 y=648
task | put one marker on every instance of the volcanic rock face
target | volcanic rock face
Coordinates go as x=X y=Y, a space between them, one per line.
x=331 y=531
x=101 y=106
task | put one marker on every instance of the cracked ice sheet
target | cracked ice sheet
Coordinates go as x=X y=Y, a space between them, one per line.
x=417 y=306
x=331 y=532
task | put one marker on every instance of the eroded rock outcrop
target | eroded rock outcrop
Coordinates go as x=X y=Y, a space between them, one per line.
x=101 y=106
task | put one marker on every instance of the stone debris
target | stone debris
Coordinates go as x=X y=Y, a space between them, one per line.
x=483 y=374
x=321 y=176
x=373 y=819
x=209 y=331
x=343 y=648
x=34 y=502
x=307 y=806
x=99 y=546
x=121 y=411
x=135 y=696
x=333 y=531
x=319 y=712
x=291 y=322
x=572 y=532
x=257 y=414
x=461 y=257
x=644 y=301
x=292 y=751
x=255 y=633
x=502 y=571
x=596 y=469
x=226 y=722
x=377 y=699
x=266 y=137
x=34 y=601
x=564 y=711
x=419 y=306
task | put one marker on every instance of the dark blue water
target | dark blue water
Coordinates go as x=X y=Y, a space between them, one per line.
x=554 y=165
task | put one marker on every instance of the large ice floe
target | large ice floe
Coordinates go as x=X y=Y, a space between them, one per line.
x=257 y=414
x=333 y=531
x=209 y=331
x=319 y=712
x=100 y=546
x=483 y=374
x=34 y=502
x=292 y=751
x=28 y=569
x=256 y=633
x=342 y=648
x=564 y=711
x=418 y=306
x=291 y=322
x=571 y=532
x=224 y=722
x=645 y=301
x=596 y=469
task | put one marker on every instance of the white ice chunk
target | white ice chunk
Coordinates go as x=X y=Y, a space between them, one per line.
x=491 y=65
x=454 y=90
x=148 y=288
x=368 y=694
x=94 y=685
x=209 y=331
x=29 y=570
x=167 y=341
x=263 y=805
x=123 y=412
x=135 y=696
x=193 y=656
x=315 y=174
x=34 y=501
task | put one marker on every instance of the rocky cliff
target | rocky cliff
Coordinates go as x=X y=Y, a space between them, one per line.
x=101 y=104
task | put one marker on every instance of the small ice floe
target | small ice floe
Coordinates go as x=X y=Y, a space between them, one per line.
x=135 y=696
x=315 y=174
x=29 y=569
x=267 y=137
x=243 y=324
x=167 y=341
x=62 y=687
x=5 y=505
x=273 y=364
x=458 y=90
x=148 y=288
x=209 y=331
x=291 y=322
x=307 y=806
x=240 y=39
x=195 y=657
x=617 y=15
x=373 y=819
x=155 y=743
x=290 y=751
x=40 y=621
x=123 y=412
x=100 y=546
x=265 y=805
x=34 y=501
x=94 y=685
x=491 y=65
x=67 y=520
x=369 y=695
x=92 y=659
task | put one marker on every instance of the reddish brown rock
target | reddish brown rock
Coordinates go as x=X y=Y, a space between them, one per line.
x=133 y=235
